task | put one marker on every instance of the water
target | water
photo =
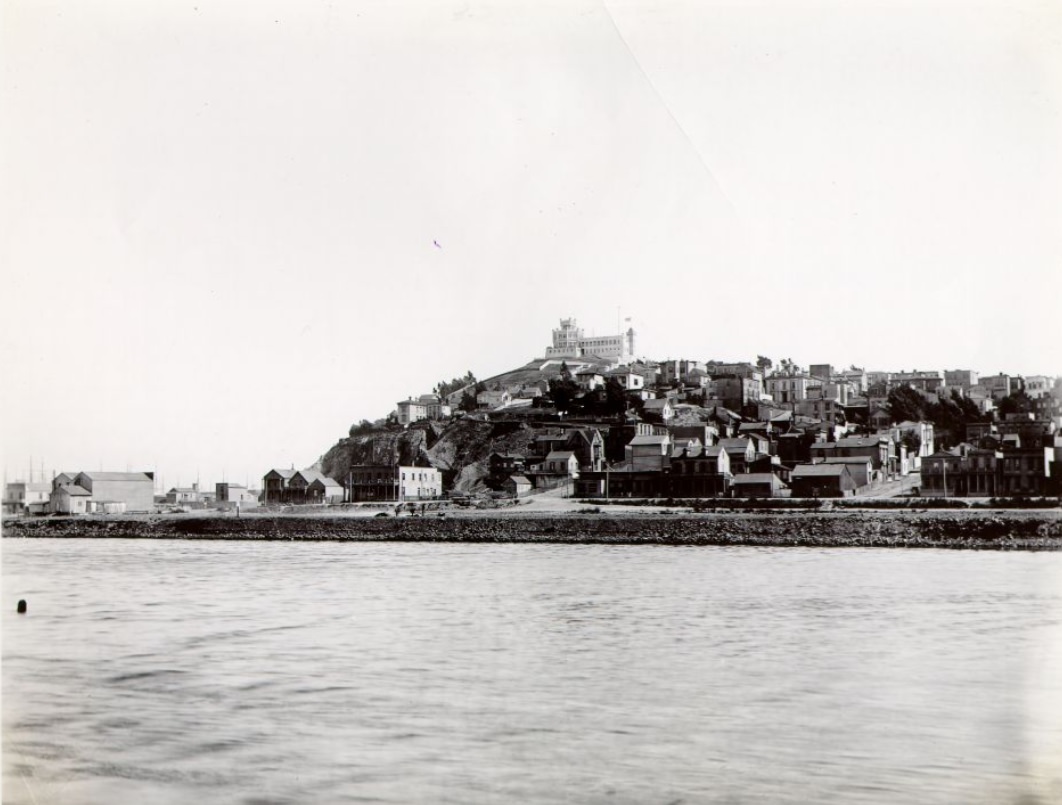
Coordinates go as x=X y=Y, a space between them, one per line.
x=239 y=672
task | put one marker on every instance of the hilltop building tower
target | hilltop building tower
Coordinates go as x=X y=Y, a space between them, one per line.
x=569 y=342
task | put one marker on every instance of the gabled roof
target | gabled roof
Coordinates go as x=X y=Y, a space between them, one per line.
x=519 y=479
x=649 y=439
x=736 y=445
x=285 y=474
x=326 y=482
x=658 y=403
x=559 y=455
x=847 y=460
x=861 y=441
x=588 y=435
x=818 y=470
x=116 y=476
x=309 y=476
x=74 y=491
x=755 y=478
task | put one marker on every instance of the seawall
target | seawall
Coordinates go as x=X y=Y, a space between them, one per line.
x=995 y=530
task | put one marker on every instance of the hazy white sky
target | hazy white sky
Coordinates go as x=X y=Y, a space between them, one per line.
x=219 y=218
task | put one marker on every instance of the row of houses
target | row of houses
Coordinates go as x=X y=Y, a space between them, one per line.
x=782 y=455
x=366 y=482
x=972 y=471
x=822 y=391
x=741 y=466
x=723 y=456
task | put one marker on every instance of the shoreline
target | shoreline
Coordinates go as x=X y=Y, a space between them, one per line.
x=1004 y=529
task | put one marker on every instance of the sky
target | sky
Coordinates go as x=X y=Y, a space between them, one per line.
x=231 y=230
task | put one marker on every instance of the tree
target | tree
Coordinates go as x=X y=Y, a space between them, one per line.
x=950 y=417
x=362 y=428
x=970 y=411
x=1017 y=403
x=468 y=401
x=904 y=403
x=879 y=389
x=445 y=388
x=912 y=441
x=563 y=389
x=764 y=363
x=615 y=397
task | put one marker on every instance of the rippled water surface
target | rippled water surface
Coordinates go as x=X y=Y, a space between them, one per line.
x=239 y=672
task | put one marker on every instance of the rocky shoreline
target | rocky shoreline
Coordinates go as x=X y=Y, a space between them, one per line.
x=994 y=530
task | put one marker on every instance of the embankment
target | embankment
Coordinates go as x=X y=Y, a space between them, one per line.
x=997 y=530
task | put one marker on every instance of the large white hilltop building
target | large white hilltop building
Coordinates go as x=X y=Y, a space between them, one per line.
x=569 y=342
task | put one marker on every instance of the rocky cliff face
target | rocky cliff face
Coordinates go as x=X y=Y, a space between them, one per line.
x=460 y=450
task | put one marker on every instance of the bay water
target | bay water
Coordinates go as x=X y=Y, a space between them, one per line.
x=163 y=671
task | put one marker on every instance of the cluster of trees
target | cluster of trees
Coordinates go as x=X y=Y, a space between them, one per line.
x=365 y=427
x=467 y=382
x=468 y=399
x=1017 y=403
x=950 y=416
x=785 y=365
x=445 y=387
x=568 y=396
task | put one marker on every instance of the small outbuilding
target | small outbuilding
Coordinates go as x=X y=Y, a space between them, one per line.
x=71 y=499
x=757 y=485
x=822 y=481
x=325 y=490
x=517 y=486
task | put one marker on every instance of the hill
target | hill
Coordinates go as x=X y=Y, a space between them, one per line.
x=461 y=448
